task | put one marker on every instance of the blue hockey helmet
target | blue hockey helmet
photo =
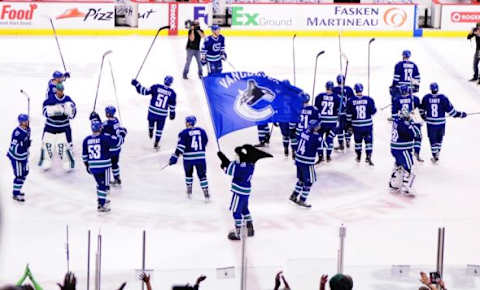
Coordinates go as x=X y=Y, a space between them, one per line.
x=306 y=97
x=110 y=110
x=340 y=79
x=314 y=124
x=22 y=118
x=192 y=120
x=404 y=90
x=168 y=80
x=406 y=53
x=329 y=85
x=56 y=74
x=96 y=126
x=434 y=88
x=215 y=27
x=358 y=88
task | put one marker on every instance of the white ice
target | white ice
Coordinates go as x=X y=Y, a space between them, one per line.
x=188 y=237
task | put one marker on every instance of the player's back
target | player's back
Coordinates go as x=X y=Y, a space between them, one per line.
x=347 y=94
x=360 y=110
x=307 y=148
x=307 y=114
x=328 y=105
x=409 y=102
x=405 y=70
x=403 y=134
x=194 y=141
x=111 y=125
x=96 y=151
x=436 y=106
x=162 y=97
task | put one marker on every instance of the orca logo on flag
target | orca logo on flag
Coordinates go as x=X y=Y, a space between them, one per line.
x=251 y=96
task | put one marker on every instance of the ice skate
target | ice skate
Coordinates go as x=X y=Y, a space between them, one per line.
x=19 y=197
x=303 y=203
x=419 y=159
x=250 y=230
x=293 y=197
x=104 y=208
x=206 y=194
x=117 y=182
x=189 y=191
x=234 y=235
x=368 y=160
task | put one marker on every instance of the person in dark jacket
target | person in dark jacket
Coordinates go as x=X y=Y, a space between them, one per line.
x=476 y=57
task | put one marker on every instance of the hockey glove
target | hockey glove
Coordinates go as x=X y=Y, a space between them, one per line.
x=463 y=115
x=416 y=88
x=95 y=116
x=172 y=115
x=28 y=143
x=134 y=82
x=66 y=75
x=122 y=132
x=224 y=55
x=173 y=160
x=225 y=161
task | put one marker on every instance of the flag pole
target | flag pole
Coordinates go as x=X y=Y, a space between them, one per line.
x=211 y=114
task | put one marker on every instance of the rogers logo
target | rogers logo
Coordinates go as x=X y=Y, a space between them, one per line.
x=465 y=17
x=395 y=17
x=17 y=14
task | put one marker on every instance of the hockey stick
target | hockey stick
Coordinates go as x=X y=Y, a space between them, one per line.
x=383 y=108
x=100 y=77
x=368 y=73
x=67 y=249
x=315 y=73
x=28 y=101
x=58 y=44
x=115 y=90
x=150 y=48
x=294 y=70
x=230 y=64
x=164 y=166
x=340 y=50
x=474 y=113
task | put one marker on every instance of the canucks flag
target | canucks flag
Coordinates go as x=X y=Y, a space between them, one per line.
x=239 y=100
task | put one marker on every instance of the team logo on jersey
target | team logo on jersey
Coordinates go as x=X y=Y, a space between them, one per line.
x=217 y=46
x=246 y=101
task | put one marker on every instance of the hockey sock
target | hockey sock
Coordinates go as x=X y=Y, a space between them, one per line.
x=203 y=183
x=158 y=135
x=305 y=193
x=189 y=181
x=298 y=188
x=368 y=148
x=101 y=196
x=17 y=185
x=116 y=173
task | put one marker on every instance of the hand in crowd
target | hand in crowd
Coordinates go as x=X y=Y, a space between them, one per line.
x=440 y=285
x=279 y=278
x=323 y=282
x=69 y=282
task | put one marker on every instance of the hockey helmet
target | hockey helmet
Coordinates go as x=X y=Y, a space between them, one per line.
x=215 y=27
x=340 y=79
x=96 y=126
x=406 y=53
x=168 y=80
x=434 y=88
x=329 y=85
x=22 y=118
x=192 y=120
x=358 y=88
x=56 y=74
x=110 y=110
x=59 y=87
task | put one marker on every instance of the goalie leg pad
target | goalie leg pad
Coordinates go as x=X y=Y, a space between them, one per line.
x=396 y=178
x=46 y=154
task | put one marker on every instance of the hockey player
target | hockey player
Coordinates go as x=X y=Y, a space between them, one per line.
x=343 y=135
x=403 y=136
x=412 y=103
x=309 y=145
x=96 y=156
x=405 y=73
x=213 y=51
x=57 y=78
x=112 y=127
x=192 y=142
x=434 y=107
x=162 y=103
x=57 y=134
x=328 y=104
x=18 y=155
x=360 y=110
x=242 y=172
x=287 y=129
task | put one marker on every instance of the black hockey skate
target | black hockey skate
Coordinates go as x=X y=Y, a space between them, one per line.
x=419 y=159
x=189 y=191
x=320 y=159
x=294 y=196
x=261 y=144
x=116 y=182
x=303 y=203
x=358 y=158
x=285 y=151
x=340 y=147
x=329 y=158
x=206 y=194
x=368 y=160
x=104 y=208
x=348 y=144
x=434 y=159
x=150 y=134
x=293 y=154
x=19 y=197
x=156 y=147
x=250 y=230
x=234 y=235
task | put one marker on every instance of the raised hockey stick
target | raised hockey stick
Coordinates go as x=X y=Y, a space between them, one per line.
x=315 y=73
x=28 y=101
x=100 y=77
x=58 y=44
x=67 y=251
x=150 y=48
x=340 y=50
x=293 y=51
x=115 y=90
x=368 y=72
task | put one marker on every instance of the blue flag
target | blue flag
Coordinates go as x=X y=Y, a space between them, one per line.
x=239 y=100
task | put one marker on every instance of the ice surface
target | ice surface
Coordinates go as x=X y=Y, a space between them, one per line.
x=188 y=237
